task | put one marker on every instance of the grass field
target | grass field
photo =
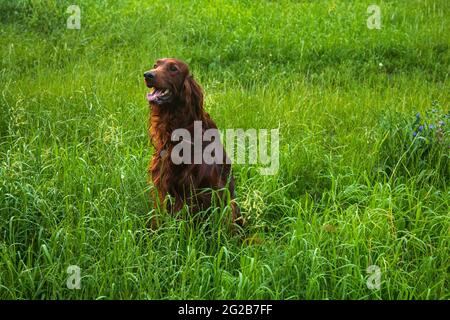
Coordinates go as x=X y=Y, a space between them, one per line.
x=354 y=189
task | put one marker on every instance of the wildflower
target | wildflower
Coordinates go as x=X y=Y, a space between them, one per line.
x=431 y=126
x=441 y=123
x=414 y=134
x=420 y=128
x=418 y=115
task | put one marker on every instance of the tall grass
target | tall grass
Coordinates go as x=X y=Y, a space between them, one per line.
x=351 y=190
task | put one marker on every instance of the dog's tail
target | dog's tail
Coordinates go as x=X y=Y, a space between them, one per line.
x=236 y=212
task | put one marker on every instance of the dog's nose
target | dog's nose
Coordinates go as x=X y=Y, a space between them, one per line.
x=149 y=75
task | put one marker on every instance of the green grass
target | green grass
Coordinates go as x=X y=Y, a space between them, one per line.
x=350 y=191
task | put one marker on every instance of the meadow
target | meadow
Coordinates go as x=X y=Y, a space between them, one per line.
x=364 y=155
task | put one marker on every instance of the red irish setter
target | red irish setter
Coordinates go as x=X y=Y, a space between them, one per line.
x=176 y=102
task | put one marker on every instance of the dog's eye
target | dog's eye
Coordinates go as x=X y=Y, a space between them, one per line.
x=155 y=66
x=173 y=68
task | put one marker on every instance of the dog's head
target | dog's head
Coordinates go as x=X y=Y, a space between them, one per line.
x=172 y=84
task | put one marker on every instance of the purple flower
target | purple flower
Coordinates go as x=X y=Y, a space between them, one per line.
x=420 y=128
x=431 y=126
x=418 y=115
x=441 y=123
x=414 y=134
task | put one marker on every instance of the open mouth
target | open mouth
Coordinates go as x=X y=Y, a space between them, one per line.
x=158 y=95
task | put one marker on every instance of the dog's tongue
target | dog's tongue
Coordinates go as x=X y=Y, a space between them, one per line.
x=150 y=97
x=153 y=96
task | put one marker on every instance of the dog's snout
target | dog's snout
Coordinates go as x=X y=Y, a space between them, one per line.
x=149 y=75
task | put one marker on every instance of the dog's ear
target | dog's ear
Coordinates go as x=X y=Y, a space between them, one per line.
x=193 y=95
